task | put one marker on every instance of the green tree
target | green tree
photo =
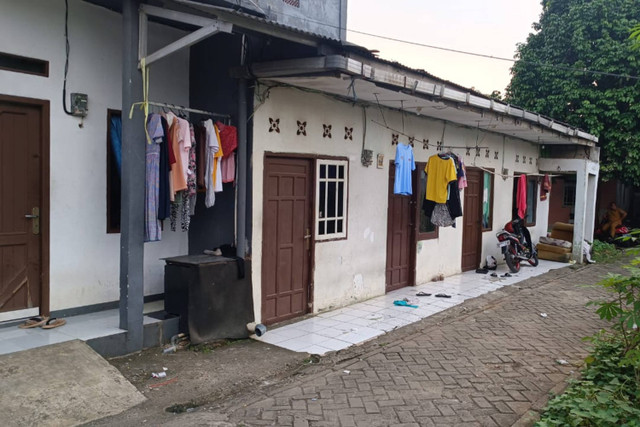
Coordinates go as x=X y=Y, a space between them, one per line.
x=552 y=75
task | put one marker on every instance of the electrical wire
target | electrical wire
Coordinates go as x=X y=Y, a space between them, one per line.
x=462 y=52
x=66 y=62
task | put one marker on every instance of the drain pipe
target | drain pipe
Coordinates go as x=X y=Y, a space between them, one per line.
x=257 y=328
x=241 y=214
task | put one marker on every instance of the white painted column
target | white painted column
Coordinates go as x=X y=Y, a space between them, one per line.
x=580 y=212
x=592 y=190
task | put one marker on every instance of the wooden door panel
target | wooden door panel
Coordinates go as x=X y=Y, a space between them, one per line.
x=20 y=192
x=472 y=221
x=400 y=239
x=285 y=258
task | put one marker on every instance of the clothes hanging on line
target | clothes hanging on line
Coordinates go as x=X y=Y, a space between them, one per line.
x=440 y=216
x=440 y=170
x=462 y=173
x=164 y=202
x=152 y=229
x=545 y=187
x=229 y=143
x=521 y=196
x=405 y=165
x=443 y=189
x=453 y=204
x=213 y=174
x=180 y=157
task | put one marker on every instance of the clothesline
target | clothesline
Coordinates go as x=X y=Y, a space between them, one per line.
x=426 y=141
x=187 y=109
x=512 y=176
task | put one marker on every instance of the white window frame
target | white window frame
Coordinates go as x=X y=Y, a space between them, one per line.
x=323 y=209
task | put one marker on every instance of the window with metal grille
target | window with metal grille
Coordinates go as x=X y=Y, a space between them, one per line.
x=331 y=199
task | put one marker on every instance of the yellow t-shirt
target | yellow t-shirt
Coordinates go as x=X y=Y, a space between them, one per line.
x=440 y=172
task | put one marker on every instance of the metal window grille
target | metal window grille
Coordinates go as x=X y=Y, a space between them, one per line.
x=331 y=199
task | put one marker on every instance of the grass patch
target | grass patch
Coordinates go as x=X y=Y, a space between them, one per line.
x=604 y=252
x=606 y=395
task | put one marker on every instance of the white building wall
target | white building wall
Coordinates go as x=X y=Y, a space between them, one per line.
x=84 y=266
x=354 y=269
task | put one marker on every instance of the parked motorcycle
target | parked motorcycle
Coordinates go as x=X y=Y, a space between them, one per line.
x=515 y=243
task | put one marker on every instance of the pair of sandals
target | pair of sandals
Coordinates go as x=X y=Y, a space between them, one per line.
x=424 y=294
x=42 y=321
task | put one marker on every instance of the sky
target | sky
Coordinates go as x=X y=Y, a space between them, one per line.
x=491 y=27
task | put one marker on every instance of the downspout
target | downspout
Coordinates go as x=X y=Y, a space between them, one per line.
x=241 y=215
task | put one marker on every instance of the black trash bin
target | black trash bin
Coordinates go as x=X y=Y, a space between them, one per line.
x=211 y=294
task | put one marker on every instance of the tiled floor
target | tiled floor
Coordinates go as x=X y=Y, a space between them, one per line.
x=83 y=327
x=344 y=327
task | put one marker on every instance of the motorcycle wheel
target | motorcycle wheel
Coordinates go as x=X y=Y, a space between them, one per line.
x=534 y=260
x=512 y=262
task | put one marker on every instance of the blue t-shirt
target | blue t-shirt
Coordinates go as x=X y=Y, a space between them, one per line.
x=405 y=164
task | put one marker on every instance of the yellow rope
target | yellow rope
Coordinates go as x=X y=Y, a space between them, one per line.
x=144 y=105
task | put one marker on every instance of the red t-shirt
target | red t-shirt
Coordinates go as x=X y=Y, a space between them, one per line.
x=228 y=138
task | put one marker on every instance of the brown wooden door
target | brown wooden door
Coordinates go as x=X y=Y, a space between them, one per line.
x=400 y=270
x=286 y=247
x=472 y=220
x=21 y=195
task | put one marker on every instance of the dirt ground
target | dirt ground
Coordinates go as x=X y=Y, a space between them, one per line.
x=200 y=375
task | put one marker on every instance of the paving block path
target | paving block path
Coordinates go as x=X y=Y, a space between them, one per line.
x=487 y=363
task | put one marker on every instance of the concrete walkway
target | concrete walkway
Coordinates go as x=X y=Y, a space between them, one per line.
x=61 y=385
x=357 y=323
x=488 y=362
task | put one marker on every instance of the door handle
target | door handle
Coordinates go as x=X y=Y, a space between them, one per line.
x=307 y=238
x=35 y=224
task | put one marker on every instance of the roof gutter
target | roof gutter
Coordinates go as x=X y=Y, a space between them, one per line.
x=407 y=84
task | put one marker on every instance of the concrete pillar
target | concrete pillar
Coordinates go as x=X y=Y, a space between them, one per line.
x=133 y=183
x=580 y=212
x=590 y=220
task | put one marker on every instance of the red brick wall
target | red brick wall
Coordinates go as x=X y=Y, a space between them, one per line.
x=557 y=213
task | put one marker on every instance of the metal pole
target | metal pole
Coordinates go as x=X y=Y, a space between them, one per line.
x=133 y=183
x=242 y=161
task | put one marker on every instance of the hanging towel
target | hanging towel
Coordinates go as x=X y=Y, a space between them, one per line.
x=545 y=187
x=521 y=196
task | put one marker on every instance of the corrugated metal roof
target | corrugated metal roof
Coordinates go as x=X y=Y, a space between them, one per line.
x=371 y=83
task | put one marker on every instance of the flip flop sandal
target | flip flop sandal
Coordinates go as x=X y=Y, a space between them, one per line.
x=34 y=322
x=54 y=323
x=403 y=303
x=423 y=294
x=494 y=275
x=506 y=275
x=443 y=296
